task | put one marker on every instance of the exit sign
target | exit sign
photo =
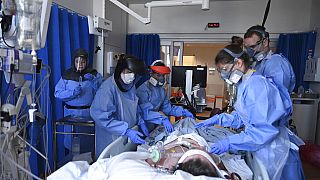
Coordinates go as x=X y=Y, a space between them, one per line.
x=213 y=25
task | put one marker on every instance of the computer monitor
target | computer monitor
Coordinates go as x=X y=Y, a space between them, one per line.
x=199 y=76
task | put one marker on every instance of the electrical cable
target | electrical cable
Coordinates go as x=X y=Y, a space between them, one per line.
x=266 y=13
x=4 y=41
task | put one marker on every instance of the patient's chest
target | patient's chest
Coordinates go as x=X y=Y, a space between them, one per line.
x=173 y=152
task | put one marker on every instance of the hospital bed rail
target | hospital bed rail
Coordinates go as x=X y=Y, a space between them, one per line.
x=121 y=144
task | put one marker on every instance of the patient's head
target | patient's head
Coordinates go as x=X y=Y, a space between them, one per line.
x=197 y=163
x=198 y=167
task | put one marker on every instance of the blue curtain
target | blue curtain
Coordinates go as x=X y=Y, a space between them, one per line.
x=67 y=31
x=297 y=47
x=145 y=47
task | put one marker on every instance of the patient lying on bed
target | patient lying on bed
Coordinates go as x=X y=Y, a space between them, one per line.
x=185 y=152
x=169 y=156
x=183 y=156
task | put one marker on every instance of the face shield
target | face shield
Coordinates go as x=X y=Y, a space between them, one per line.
x=80 y=63
x=159 y=73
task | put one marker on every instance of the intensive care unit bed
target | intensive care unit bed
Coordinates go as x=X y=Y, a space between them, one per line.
x=123 y=159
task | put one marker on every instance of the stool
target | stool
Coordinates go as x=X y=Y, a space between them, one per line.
x=72 y=121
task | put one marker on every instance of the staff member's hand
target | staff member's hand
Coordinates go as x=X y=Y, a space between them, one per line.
x=135 y=136
x=167 y=125
x=209 y=122
x=187 y=113
x=220 y=147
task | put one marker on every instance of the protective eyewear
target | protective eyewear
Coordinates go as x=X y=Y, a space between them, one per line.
x=225 y=68
x=255 y=45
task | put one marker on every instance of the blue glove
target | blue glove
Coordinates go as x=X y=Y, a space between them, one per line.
x=88 y=76
x=220 y=147
x=187 y=113
x=144 y=129
x=167 y=124
x=77 y=91
x=209 y=122
x=135 y=136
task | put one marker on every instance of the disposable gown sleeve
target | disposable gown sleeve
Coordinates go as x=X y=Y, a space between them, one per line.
x=64 y=92
x=139 y=115
x=263 y=105
x=104 y=112
x=170 y=110
x=97 y=81
x=230 y=120
x=147 y=109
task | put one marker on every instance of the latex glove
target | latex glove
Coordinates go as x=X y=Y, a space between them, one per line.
x=220 y=147
x=77 y=91
x=167 y=125
x=135 y=136
x=209 y=122
x=88 y=76
x=187 y=113
x=144 y=129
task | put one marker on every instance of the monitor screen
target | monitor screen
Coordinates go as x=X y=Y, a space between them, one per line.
x=199 y=76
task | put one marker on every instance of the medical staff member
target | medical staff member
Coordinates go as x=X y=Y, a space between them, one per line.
x=267 y=63
x=76 y=89
x=153 y=98
x=262 y=109
x=115 y=106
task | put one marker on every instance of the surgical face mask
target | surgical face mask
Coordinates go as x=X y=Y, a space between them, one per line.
x=231 y=76
x=127 y=78
x=159 y=81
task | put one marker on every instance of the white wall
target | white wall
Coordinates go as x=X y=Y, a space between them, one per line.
x=234 y=17
x=314 y=23
x=83 y=7
x=116 y=40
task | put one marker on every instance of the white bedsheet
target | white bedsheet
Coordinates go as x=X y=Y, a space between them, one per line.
x=127 y=165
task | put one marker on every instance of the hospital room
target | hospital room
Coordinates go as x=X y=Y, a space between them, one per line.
x=159 y=89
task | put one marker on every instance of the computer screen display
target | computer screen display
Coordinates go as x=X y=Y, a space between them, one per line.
x=199 y=76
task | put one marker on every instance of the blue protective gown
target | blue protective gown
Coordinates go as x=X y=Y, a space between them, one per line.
x=263 y=109
x=64 y=90
x=114 y=112
x=154 y=99
x=279 y=68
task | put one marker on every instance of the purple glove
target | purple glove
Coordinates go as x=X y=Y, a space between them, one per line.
x=220 y=147
x=77 y=91
x=135 y=136
x=88 y=76
x=144 y=129
x=187 y=113
x=209 y=122
x=167 y=124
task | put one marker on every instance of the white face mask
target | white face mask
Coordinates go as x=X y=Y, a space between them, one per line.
x=127 y=78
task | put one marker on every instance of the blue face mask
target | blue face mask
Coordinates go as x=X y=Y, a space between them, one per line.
x=251 y=52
